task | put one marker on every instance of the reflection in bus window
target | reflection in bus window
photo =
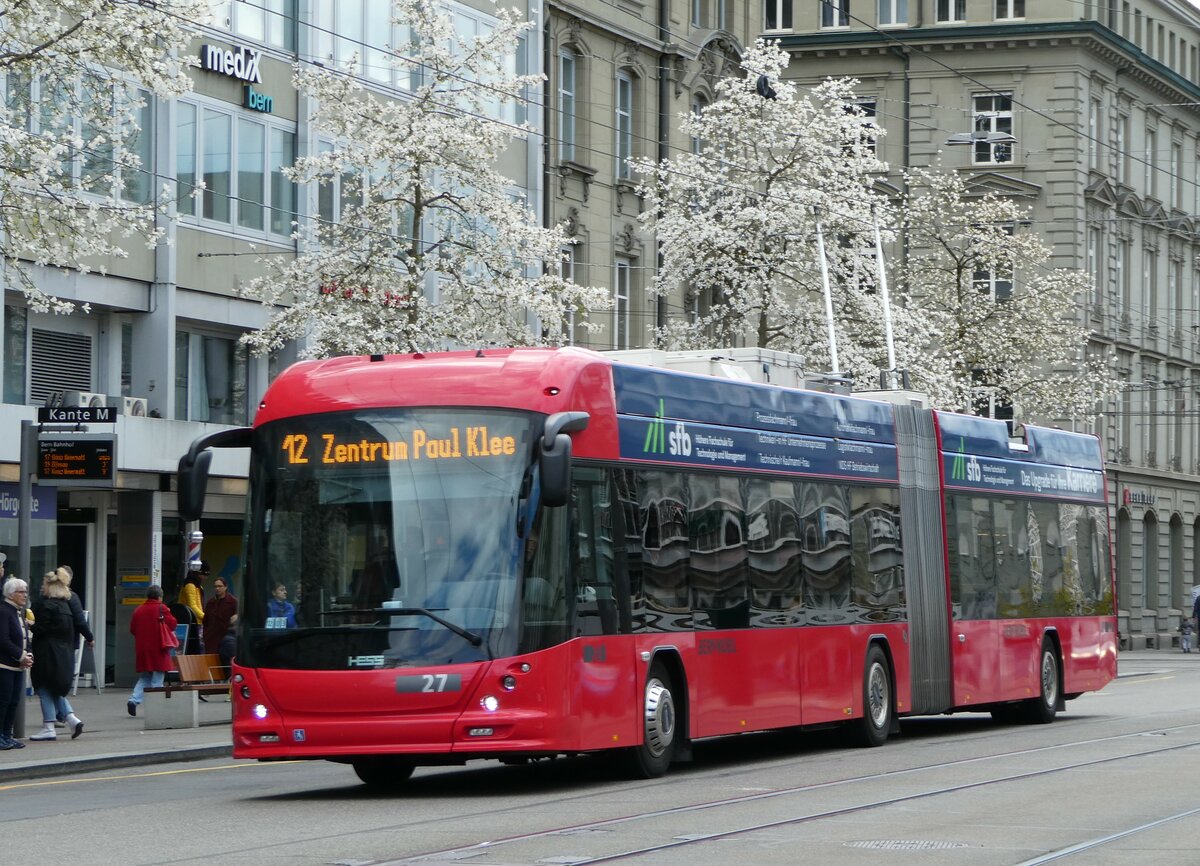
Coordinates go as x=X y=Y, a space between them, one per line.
x=773 y=541
x=662 y=516
x=718 y=553
x=878 y=584
x=825 y=517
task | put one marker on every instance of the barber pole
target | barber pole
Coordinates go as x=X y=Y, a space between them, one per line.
x=194 y=541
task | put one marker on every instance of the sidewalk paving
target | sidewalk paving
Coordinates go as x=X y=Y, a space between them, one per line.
x=112 y=739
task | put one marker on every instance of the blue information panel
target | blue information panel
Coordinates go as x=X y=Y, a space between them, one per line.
x=993 y=475
x=730 y=403
x=693 y=444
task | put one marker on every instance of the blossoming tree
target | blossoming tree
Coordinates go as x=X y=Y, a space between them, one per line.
x=432 y=247
x=74 y=184
x=1005 y=325
x=737 y=220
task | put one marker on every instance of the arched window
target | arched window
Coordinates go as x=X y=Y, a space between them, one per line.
x=1150 y=577
x=1125 y=560
x=1179 y=596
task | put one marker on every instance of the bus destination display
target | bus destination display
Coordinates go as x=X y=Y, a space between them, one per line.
x=454 y=444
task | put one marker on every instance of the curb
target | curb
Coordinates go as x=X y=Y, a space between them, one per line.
x=42 y=770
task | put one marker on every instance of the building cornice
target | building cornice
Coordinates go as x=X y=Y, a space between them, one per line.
x=1127 y=57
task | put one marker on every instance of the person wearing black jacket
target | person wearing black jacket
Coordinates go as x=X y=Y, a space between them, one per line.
x=15 y=658
x=54 y=639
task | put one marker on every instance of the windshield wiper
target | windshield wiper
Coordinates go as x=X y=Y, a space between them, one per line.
x=465 y=634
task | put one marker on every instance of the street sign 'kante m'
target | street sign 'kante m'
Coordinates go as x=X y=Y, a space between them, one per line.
x=77 y=415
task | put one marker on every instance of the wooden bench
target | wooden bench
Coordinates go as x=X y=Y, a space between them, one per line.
x=178 y=705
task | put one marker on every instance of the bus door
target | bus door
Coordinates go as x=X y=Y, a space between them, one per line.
x=974 y=625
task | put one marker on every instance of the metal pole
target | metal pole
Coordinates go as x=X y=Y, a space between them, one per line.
x=24 y=516
x=833 y=353
x=887 y=305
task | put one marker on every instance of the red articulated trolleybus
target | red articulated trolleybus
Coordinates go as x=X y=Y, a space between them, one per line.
x=523 y=553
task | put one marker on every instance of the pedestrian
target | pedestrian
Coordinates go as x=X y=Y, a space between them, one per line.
x=54 y=638
x=191 y=594
x=151 y=659
x=217 y=613
x=82 y=629
x=227 y=649
x=15 y=658
x=3 y=560
x=1185 y=634
x=280 y=612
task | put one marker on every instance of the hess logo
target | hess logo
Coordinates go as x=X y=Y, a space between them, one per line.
x=679 y=442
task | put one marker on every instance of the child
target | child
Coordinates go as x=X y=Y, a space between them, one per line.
x=1185 y=634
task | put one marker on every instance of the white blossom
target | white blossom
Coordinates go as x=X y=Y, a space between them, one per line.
x=737 y=220
x=72 y=189
x=1028 y=349
x=432 y=248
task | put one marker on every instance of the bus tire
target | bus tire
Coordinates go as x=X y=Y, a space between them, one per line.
x=879 y=706
x=653 y=757
x=383 y=773
x=1042 y=709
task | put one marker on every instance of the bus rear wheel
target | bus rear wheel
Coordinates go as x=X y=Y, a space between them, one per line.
x=878 y=706
x=383 y=773
x=1042 y=709
x=653 y=757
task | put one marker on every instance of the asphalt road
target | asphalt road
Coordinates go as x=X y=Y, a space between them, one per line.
x=1110 y=782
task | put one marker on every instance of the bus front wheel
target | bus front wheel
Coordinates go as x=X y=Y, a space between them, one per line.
x=878 y=707
x=652 y=758
x=383 y=773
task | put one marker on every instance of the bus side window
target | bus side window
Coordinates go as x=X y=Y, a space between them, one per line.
x=592 y=553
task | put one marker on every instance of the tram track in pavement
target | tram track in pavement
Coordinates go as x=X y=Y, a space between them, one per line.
x=692 y=840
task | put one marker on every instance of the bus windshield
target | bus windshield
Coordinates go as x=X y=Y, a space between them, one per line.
x=387 y=538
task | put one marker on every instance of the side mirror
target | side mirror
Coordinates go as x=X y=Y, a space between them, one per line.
x=193 y=467
x=193 y=482
x=554 y=457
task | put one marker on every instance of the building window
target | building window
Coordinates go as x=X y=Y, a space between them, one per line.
x=870 y=110
x=697 y=13
x=997 y=283
x=1120 y=155
x=236 y=161
x=624 y=125
x=621 y=304
x=1121 y=266
x=211 y=376
x=951 y=11
x=115 y=121
x=698 y=106
x=777 y=15
x=566 y=106
x=1093 y=263
x=993 y=114
x=1151 y=152
x=1010 y=9
x=269 y=21
x=1095 y=130
x=566 y=264
x=893 y=12
x=1176 y=178
x=835 y=13
x=15 y=348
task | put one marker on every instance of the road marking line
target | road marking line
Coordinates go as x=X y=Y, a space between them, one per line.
x=49 y=782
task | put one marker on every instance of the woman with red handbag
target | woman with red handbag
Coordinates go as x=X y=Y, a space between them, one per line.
x=153 y=628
